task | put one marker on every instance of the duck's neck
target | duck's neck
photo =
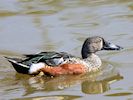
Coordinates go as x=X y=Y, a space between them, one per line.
x=85 y=54
x=89 y=55
x=92 y=56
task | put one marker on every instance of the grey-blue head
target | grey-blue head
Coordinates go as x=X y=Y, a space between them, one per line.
x=96 y=43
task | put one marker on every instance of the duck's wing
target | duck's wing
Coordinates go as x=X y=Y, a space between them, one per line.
x=49 y=58
x=46 y=54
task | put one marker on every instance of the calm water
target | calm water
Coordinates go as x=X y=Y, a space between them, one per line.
x=30 y=26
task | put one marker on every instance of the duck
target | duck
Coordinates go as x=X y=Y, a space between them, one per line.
x=61 y=63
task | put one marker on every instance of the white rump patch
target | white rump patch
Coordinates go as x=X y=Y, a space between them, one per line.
x=36 y=67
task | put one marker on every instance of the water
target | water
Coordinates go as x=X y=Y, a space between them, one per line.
x=30 y=26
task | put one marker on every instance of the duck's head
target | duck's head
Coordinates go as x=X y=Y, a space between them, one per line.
x=94 y=44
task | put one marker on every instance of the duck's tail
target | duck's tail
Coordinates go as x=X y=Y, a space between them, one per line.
x=19 y=67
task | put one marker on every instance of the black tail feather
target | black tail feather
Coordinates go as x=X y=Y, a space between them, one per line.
x=20 y=68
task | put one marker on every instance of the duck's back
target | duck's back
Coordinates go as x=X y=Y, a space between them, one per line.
x=49 y=58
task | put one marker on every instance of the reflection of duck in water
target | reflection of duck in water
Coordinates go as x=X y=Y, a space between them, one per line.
x=54 y=63
x=99 y=86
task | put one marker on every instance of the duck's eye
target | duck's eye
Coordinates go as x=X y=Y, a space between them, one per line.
x=100 y=40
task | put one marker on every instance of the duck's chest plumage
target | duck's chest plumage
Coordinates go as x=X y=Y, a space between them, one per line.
x=92 y=63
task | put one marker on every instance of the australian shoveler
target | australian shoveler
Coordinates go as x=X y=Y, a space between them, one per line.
x=58 y=63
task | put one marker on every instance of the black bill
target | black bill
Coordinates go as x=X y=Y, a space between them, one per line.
x=111 y=46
